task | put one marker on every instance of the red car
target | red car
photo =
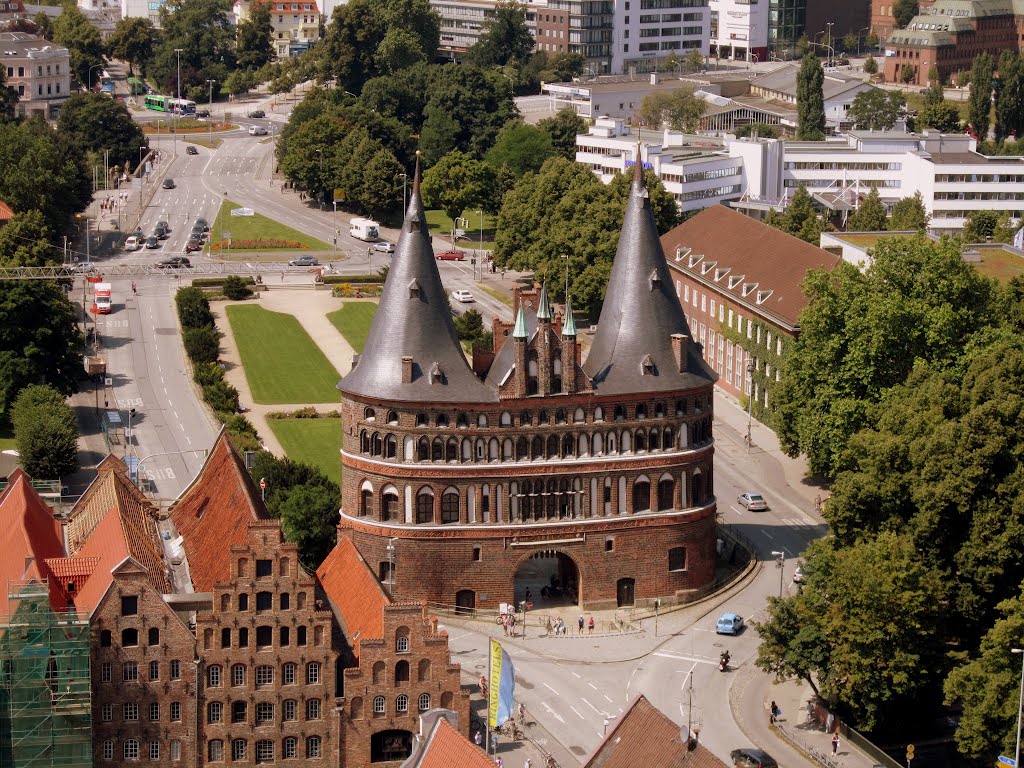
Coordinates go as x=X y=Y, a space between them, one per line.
x=451 y=256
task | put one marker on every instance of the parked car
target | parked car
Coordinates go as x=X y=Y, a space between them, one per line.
x=160 y=233
x=257 y=113
x=752 y=501
x=451 y=256
x=385 y=247
x=174 y=262
x=257 y=130
x=729 y=624
x=463 y=296
x=200 y=222
x=750 y=757
x=164 y=224
x=304 y=261
x=168 y=184
x=191 y=150
x=194 y=244
x=152 y=242
x=202 y=113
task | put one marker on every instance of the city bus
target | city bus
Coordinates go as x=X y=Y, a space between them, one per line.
x=169 y=104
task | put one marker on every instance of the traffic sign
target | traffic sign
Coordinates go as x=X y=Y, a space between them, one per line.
x=1008 y=761
x=263 y=484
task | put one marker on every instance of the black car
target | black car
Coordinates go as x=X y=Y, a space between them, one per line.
x=164 y=224
x=168 y=183
x=194 y=244
x=160 y=232
x=174 y=261
x=257 y=113
x=152 y=242
x=750 y=757
x=191 y=150
x=202 y=113
x=201 y=224
x=138 y=233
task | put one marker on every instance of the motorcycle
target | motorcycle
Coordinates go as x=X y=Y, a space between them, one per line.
x=723 y=662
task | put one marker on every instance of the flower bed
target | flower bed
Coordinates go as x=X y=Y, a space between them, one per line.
x=363 y=290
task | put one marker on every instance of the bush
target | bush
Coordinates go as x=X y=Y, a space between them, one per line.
x=235 y=289
x=242 y=432
x=221 y=396
x=193 y=308
x=205 y=374
x=354 y=279
x=216 y=282
x=202 y=345
x=45 y=432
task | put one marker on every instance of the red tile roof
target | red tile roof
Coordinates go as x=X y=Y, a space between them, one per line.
x=355 y=593
x=29 y=535
x=644 y=736
x=214 y=512
x=741 y=247
x=446 y=748
x=6 y=214
x=113 y=520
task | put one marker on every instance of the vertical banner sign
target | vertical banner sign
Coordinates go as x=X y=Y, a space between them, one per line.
x=501 y=696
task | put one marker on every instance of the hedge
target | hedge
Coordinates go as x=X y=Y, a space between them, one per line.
x=213 y=282
x=329 y=279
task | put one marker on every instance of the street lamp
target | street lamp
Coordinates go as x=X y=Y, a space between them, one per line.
x=481 y=257
x=174 y=111
x=750 y=401
x=780 y=563
x=94 y=66
x=830 y=48
x=210 y=110
x=864 y=29
x=322 y=188
x=1020 y=703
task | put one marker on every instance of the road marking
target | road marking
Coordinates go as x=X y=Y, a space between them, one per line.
x=552 y=689
x=609 y=699
x=767 y=534
x=552 y=712
x=599 y=734
x=683 y=658
x=591 y=706
x=581 y=717
x=735 y=510
x=578 y=677
x=188 y=438
x=175 y=415
x=592 y=686
x=685 y=679
x=165 y=390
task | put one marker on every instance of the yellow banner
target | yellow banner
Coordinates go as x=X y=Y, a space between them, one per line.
x=492 y=689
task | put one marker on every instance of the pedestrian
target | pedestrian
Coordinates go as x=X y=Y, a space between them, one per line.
x=522 y=713
x=835 y=743
x=499 y=762
x=590 y=625
x=478 y=738
x=581 y=624
x=528 y=763
x=817 y=503
x=773 y=715
x=504 y=625
x=547 y=625
x=282 y=276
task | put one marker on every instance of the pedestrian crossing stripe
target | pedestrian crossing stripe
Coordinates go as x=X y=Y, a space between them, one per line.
x=799 y=522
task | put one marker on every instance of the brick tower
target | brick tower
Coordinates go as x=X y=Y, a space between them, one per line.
x=587 y=481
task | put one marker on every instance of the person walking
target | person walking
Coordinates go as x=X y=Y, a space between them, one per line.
x=478 y=738
x=835 y=743
x=581 y=624
x=547 y=626
x=522 y=713
x=774 y=713
x=590 y=625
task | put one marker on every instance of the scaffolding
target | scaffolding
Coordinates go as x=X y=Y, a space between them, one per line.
x=45 y=703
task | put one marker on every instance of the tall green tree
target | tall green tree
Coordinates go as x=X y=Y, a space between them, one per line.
x=979 y=103
x=980 y=226
x=909 y=214
x=74 y=31
x=521 y=148
x=563 y=129
x=870 y=65
x=254 y=42
x=679 y=110
x=810 y=99
x=505 y=39
x=1009 y=96
x=944 y=117
x=903 y=11
x=8 y=98
x=870 y=215
x=25 y=241
x=132 y=41
x=45 y=432
x=800 y=218
x=935 y=94
x=876 y=109
x=309 y=519
x=457 y=183
x=203 y=31
x=94 y=123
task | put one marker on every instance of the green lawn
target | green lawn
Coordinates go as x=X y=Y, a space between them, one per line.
x=247 y=229
x=353 y=322
x=7 y=439
x=282 y=363
x=313 y=441
x=999 y=263
x=440 y=224
x=501 y=296
x=915 y=102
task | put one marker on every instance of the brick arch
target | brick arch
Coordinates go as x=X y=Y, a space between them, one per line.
x=576 y=561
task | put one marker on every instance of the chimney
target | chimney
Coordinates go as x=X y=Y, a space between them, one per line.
x=406 y=369
x=680 y=347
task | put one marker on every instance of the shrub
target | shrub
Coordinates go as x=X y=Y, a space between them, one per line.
x=242 y=432
x=45 y=432
x=235 y=289
x=354 y=279
x=202 y=345
x=205 y=374
x=214 y=282
x=221 y=396
x=193 y=308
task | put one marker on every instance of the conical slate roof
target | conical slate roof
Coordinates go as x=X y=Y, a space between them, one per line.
x=632 y=349
x=414 y=320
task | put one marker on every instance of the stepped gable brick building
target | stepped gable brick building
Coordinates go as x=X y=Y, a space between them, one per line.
x=267 y=665
x=440 y=745
x=643 y=735
x=402 y=667
x=213 y=514
x=537 y=469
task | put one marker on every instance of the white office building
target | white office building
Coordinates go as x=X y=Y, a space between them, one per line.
x=758 y=175
x=647 y=32
x=739 y=29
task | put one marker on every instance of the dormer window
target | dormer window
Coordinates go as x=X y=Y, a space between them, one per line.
x=720 y=273
x=414 y=222
x=414 y=289
x=762 y=296
x=707 y=267
x=693 y=260
x=646 y=366
x=655 y=279
x=749 y=288
x=735 y=280
x=436 y=375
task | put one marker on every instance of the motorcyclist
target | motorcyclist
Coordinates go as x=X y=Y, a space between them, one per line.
x=723 y=660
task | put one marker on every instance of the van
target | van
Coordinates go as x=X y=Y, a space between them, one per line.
x=257 y=130
x=133 y=243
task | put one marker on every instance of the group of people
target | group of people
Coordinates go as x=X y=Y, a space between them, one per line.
x=508 y=624
x=559 y=627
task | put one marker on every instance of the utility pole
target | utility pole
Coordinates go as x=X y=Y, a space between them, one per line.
x=750 y=403
x=174 y=112
x=210 y=118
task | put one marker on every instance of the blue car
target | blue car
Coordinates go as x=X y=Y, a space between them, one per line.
x=729 y=624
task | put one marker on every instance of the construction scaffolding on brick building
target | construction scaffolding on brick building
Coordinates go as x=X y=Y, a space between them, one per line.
x=45 y=709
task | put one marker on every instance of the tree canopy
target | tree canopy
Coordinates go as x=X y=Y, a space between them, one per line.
x=979 y=102
x=903 y=11
x=505 y=38
x=46 y=432
x=810 y=99
x=1009 y=94
x=8 y=98
x=800 y=218
x=680 y=110
x=255 y=47
x=94 y=122
x=876 y=109
x=203 y=31
x=944 y=117
x=521 y=148
x=563 y=129
x=74 y=31
x=132 y=41
x=909 y=214
x=870 y=215
x=458 y=182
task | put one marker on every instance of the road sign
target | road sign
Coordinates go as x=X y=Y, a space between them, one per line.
x=263 y=484
x=339 y=195
x=1008 y=761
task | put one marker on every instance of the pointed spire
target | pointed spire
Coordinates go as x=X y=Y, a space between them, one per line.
x=519 y=332
x=543 y=304
x=569 y=325
x=638 y=168
x=414 y=222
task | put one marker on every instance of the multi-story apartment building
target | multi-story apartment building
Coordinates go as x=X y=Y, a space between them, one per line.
x=295 y=25
x=948 y=35
x=739 y=281
x=883 y=23
x=647 y=32
x=38 y=70
x=739 y=29
x=463 y=21
x=822 y=22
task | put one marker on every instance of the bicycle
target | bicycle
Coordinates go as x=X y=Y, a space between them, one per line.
x=550 y=762
x=511 y=730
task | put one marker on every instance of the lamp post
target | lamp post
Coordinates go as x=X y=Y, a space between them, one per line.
x=210 y=110
x=831 y=50
x=174 y=111
x=481 y=258
x=129 y=437
x=404 y=179
x=1020 y=703
x=927 y=79
x=780 y=563
x=336 y=231
x=750 y=401
x=864 y=29
x=321 y=153
x=94 y=66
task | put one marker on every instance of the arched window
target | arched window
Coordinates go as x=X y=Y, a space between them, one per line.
x=537 y=447
x=424 y=702
x=620 y=413
x=525 y=419
x=264 y=601
x=423 y=673
x=421 y=419
x=521 y=449
x=425 y=506
x=366 y=501
x=667 y=436
x=481 y=420
x=378 y=672
x=441 y=420
x=131 y=749
x=450 y=506
x=654 y=439
x=666 y=492
x=461 y=421
x=641 y=411
x=598 y=444
x=369 y=415
x=641 y=494
x=640 y=440
x=364 y=441
x=422 y=449
x=376 y=445
x=451 y=450
x=493 y=449
x=659 y=410
x=437 y=450
x=542 y=418
x=627 y=441
x=402 y=672
x=356 y=708
x=402 y=640
x=698 y=488
x=507 y=451
x=105 y=637
x=402 y=703
x=560 y=416
x=389 y=504
x=568 y=446
x=552 y=447
x=390 y=447
x=380 y=706
x=467 y=449
x=578 y=416
x=392 y=417
x=680 y=407
x=153 y=637
x=531 y=374
x=599 y=413
x=506 y=419
x=129 y=638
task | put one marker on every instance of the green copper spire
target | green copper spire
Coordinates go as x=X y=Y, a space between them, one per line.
x=519 y=332
x=543 y=304
x=569 y=326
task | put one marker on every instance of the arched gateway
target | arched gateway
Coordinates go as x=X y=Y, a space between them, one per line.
x=552 y=578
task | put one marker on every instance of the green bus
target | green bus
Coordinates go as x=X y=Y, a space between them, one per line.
x=169 y=104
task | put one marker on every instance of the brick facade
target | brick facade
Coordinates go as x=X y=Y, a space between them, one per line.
x=267 y=666
x=399 y=677
x=143 y=676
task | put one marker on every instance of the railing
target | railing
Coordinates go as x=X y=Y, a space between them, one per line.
x=68 y=271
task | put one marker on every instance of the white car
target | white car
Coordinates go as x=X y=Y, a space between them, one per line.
x=798 y=574
x=463 y=296
x=385 y=247
x=257 y=130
